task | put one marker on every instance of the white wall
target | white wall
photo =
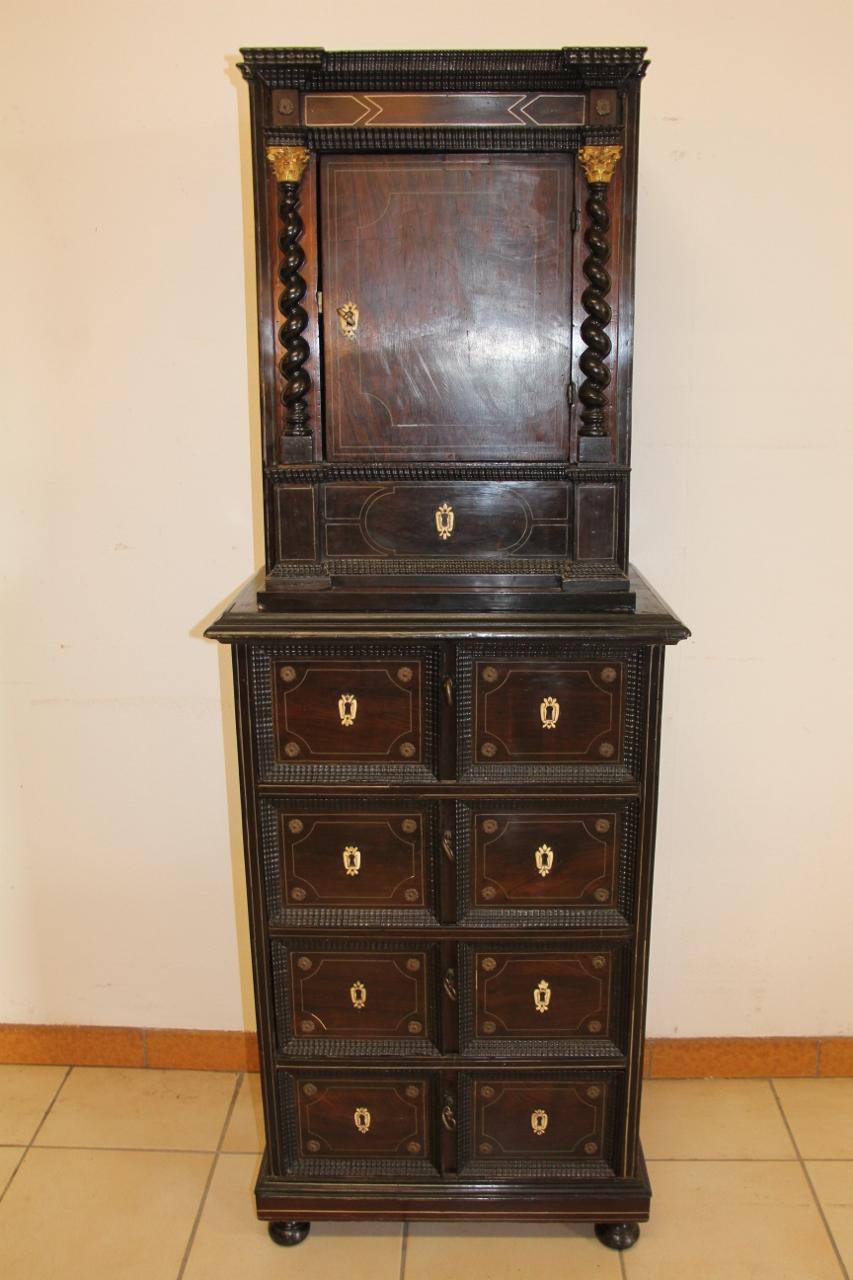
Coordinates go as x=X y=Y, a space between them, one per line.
x=129 y=489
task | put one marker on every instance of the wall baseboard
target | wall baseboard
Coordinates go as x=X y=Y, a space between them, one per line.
x=688 y=1059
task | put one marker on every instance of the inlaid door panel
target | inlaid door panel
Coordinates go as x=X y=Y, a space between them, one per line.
x=372 y=859
x=337 y=713
x=575 y=858
x=549 y=712
x=354 y=1124
x=534 y=1125
x=370 y=997
x=541 y=1001
x=432 y=267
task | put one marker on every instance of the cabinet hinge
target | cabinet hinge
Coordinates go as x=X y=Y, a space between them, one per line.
x=570 y=392
x=319 y=302
x=575 y=220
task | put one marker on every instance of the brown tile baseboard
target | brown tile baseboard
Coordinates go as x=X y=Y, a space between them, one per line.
x=688 y=1059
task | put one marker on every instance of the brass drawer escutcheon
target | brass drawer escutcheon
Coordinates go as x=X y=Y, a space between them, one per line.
x=539 y=1121
x=445 y=519
x=549 y=713
x=348 y=319
x=542 y=996
x=351 y=857
x=361 y=1119
x=358 y=995
x=544 y=856
x=347 y=709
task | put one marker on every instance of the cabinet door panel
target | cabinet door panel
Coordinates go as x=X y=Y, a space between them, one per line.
x=447 y=259
x=539 y=1125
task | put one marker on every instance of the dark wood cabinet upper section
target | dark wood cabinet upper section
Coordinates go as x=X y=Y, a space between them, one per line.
x=445 y=262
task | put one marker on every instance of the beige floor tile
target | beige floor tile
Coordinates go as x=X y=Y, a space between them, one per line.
x=25 y=1095
x=245 y=1130
x=9 y=1159
x=820 y=1113
x=713 y=1120
x=231 y=1242
x=169 y=1110
x=95 y=1215
x=506 y=1251
x=833 y=1182
x=732 y=1220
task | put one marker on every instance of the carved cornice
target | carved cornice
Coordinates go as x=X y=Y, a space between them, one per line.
x=443 y=139
x=599 y=163
x=288 y=163
x=443 y=69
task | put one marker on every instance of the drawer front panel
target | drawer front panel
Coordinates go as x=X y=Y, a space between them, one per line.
x=368 y=862
x=576 y=859
x=354 y=1125
x=343 y=713
x=538 y=1125
x=549 y=712
x=447 y=520
x=355 y=998
x=526 y=1001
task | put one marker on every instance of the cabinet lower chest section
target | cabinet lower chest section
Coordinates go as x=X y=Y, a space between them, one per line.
x=449 y=845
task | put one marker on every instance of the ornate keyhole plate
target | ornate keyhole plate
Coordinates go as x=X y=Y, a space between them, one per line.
x=549 y=713
x=347 y=709
x=348 y=319
x=539 y=1121
x=445 y=519
x=542 y=996
x=358 y=995
x=544 y=856
x=361 y=1119
x=351 y=857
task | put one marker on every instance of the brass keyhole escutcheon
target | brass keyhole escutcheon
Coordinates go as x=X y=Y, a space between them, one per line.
x=348 y=319
x=544 y=859
x=361 y=1119
x=542 y=996
x=347 y=709
x=539 y=1121
x=351 y=857
x=549 y=713
x=358 y=995
x=445 y=519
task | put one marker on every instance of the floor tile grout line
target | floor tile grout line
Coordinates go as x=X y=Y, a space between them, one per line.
x=36 y=1132
x=238 y=1085
x=623 y=1270
x=845 y=1273
x=404 y=1240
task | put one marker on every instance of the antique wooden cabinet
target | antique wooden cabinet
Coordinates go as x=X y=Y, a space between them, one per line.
x=448 y=678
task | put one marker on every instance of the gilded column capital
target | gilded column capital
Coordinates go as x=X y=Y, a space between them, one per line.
x=599 y=163
x=288 y=163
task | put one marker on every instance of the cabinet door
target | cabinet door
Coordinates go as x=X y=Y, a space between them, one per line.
x=447 y=306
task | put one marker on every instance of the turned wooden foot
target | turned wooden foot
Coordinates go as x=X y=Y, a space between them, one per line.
x=618 y=1235
x=289 y=1233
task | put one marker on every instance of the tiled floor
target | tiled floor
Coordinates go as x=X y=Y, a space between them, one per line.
x=147 y=1175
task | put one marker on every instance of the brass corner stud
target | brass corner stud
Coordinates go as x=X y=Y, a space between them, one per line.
x=599 y=163
x=288 y=163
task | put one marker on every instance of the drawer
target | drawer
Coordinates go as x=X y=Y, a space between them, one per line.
x=364 y=862
x=548 y=712
x=354 y=997
x=542 y=1125
x=447 y=520
x=353 y=1124
x=336 y=714
x=542 y=1001
x=575 y=858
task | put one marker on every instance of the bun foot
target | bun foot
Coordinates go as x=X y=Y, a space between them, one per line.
x=289 y=1233
x=618 y=1235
